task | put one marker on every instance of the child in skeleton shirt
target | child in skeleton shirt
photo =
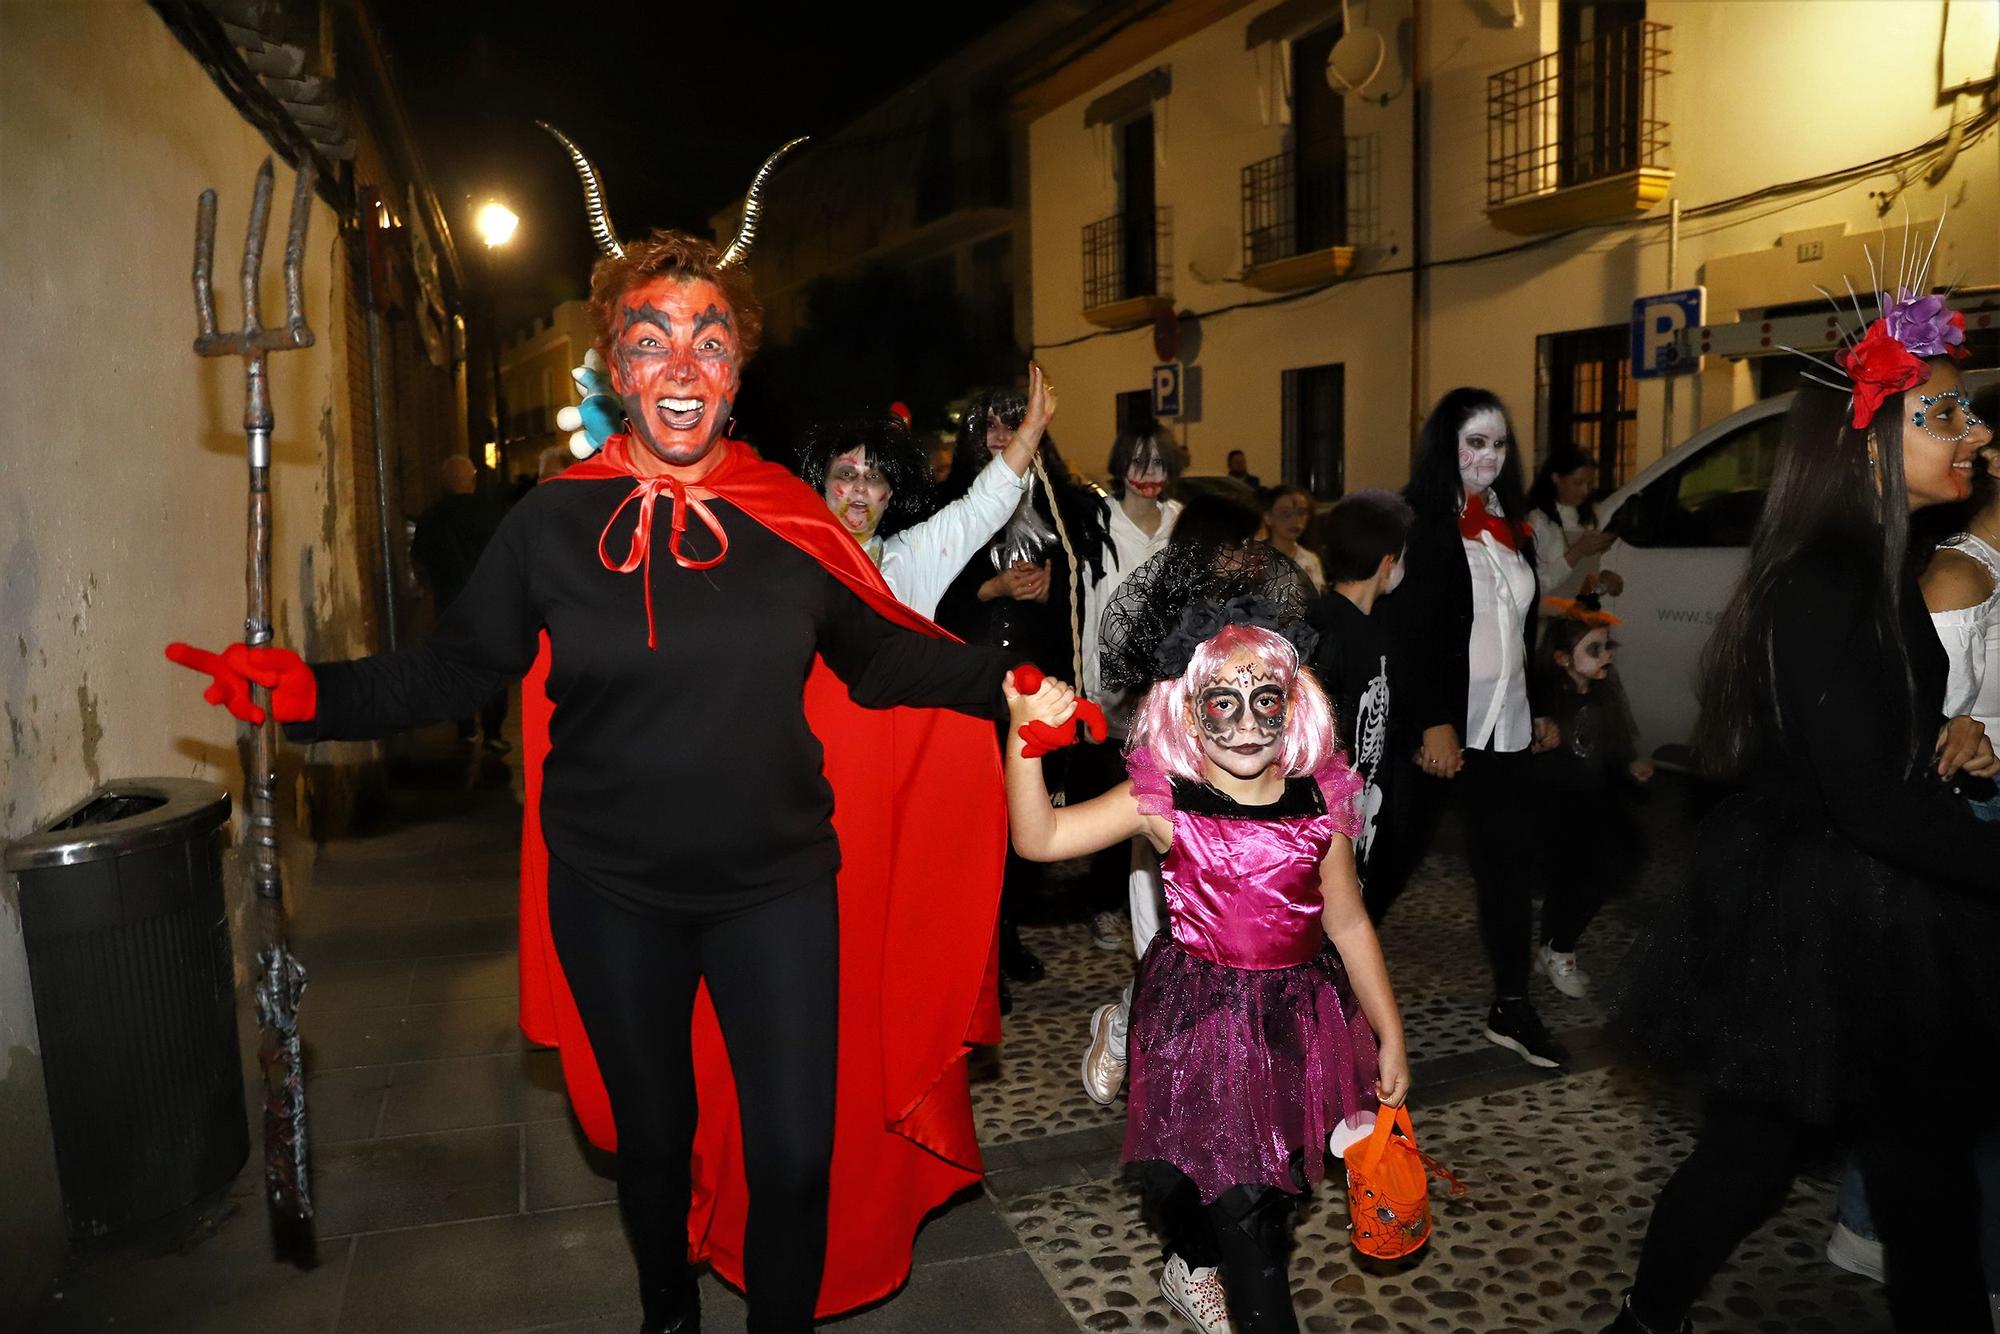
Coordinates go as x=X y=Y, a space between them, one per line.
x=1589 y=841
x=1263 y=1016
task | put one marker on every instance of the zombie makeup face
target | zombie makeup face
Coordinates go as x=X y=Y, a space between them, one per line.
x=1288 y=516
x=675 y=365
x=1146 y=475
x=857 y=492
x=1590 y=660
x=1941 y=439
x=1483 y=445
x=1241 y=714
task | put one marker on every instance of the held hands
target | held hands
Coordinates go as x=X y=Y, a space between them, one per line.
x=294 y=691
x=1547 y=735
x=1440 y=756
x=1964 y=745
x=1047 y=713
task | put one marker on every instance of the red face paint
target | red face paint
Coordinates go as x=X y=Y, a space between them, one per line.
x=675 y=365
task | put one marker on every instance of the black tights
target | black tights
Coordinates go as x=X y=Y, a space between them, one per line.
x=773 y=973
x=1925 y=1205
x=1246 y=1233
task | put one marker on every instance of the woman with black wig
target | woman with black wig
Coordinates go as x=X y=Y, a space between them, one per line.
x=1463 y=621
x=1829 y=965
x=1014 y=593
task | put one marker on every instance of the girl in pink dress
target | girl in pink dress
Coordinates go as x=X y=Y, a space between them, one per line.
x=1262 y=1016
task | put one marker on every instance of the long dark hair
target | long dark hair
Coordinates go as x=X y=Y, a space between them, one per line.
x=1085 y=510
x=1822 y=503
x=1434 y=489
x=1564 y=458
x=889 y=448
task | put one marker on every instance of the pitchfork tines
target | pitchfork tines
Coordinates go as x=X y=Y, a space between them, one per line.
x=253 y=339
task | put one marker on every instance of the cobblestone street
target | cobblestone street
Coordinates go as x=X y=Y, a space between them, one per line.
x=456 y=1195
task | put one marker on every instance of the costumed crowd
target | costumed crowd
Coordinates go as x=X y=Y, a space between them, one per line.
x=779 y=727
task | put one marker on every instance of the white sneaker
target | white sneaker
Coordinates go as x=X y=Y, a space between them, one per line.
x=1849 y=1250
x=1197 y=1294
x=1563 y=972
x=1107 y=932
x=1103 y=1069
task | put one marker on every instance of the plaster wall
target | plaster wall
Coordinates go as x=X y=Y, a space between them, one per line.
x=122 y=478
x=1759 y=92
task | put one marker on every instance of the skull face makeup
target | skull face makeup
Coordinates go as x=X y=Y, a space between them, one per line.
x=1590 y=660
x=1241 y=714
x=1483 y=444
x=1146 y=475
x=675 y=363
x=857 y=492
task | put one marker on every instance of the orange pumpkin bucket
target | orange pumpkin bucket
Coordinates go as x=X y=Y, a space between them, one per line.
x=1389 y=1189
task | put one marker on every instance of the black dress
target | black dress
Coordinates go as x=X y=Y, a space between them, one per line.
x=1837 y=942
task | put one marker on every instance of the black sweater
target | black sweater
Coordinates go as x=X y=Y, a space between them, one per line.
x=1430 y=617
x=682 y=777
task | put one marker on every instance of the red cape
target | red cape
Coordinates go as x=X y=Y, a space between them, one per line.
x=921 y=818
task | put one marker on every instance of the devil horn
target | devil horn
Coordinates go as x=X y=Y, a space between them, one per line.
x=753 y=204
x=593 y=195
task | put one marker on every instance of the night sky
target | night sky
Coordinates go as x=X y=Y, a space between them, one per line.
x=676 y=109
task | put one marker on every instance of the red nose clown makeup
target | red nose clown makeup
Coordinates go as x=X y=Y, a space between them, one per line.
x=675 y=365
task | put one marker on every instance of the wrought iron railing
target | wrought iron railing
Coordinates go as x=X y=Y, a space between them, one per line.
x=1578 y=114
x=1128 y=255
x=1292 y=210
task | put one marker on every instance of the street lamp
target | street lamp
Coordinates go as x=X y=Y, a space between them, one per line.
x=496 y=223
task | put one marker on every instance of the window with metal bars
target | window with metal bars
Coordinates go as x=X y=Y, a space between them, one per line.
x=1587 y=398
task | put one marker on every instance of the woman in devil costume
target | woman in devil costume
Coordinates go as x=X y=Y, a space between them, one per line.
x=698 y=930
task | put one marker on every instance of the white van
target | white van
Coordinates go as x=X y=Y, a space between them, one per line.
x=1683 y=528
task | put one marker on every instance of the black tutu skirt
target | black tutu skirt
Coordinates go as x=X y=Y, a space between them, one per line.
x=1796 y=970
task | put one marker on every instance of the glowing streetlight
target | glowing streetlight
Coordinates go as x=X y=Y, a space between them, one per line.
x=496 y=223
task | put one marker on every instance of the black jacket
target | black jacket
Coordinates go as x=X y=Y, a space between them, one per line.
x=1430 y=619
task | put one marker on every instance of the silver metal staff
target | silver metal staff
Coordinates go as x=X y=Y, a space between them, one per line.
x=281 y=979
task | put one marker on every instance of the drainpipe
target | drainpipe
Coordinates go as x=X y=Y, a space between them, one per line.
x=376 y=430
x=1673 y=284
x=1419 y=242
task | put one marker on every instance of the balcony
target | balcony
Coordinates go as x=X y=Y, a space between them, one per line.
x=1128 y=267
x=1301 y=223
x=1574 y=137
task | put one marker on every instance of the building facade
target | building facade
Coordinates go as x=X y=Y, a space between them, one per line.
x=122 y=484
x=534 y=376
x=1483 y=208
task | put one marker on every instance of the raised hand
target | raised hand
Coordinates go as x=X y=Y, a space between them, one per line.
x=599 y=416
x=294 y=690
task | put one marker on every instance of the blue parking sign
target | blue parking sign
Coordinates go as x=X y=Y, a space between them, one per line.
x=1656 y=321
x=1167 y=390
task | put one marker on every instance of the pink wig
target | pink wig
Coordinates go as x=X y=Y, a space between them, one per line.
x=1165 y=721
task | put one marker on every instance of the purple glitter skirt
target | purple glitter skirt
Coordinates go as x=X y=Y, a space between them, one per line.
x=1237 y=1074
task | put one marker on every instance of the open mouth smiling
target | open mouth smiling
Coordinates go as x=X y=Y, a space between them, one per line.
x=680 y=414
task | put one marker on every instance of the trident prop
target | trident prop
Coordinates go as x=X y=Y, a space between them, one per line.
x=281 y=979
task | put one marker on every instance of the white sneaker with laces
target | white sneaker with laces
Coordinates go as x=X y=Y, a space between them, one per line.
x=1197 y=1295
x=1849 y=1250
x=1563 y=973
x=1103 y=1067
x=1107 y=932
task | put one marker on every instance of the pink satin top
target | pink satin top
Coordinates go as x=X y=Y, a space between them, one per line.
x=1242 y=882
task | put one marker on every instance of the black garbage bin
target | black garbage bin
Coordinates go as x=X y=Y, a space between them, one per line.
x=129 y=960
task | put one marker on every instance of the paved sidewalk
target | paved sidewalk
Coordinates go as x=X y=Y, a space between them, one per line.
x=456 y=1195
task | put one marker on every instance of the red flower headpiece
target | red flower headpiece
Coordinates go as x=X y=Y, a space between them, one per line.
x=1879 y=366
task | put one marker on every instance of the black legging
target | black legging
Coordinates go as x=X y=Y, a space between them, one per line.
x=773 y=972
x=1921 y=1190
x=1246 y=1233
x=1494 y=797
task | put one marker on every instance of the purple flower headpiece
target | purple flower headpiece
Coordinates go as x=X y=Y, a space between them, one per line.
x=1924 y=326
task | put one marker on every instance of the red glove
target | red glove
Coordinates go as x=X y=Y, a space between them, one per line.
x=1039 y=738
x=294 y=691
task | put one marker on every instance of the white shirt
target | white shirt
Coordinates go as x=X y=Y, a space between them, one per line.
x=1553 y=535
x=1503 y=591
x=1971 y=638
x=1131 y=547
x=920 y=562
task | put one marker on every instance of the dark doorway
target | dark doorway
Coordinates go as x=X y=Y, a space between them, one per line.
x=1315 y=429
x=1599 y=77
x=1319 y=145
x=1135 y=207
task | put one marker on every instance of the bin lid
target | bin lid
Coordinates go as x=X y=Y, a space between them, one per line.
x=123 y=816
